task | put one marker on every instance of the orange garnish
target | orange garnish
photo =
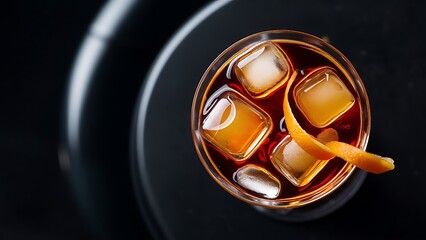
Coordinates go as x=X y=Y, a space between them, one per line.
x=310 y=144
x=364 y=160
x=367 y=161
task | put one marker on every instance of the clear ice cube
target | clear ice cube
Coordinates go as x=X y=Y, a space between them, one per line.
x=262 y=69
x=258 y=180
x=298 y=166
x=296 y=158
x=323 y=97
x=235 y=125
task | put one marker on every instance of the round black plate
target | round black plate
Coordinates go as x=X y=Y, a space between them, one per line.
x=101 y=96
x=163 y=181
x=383 y=39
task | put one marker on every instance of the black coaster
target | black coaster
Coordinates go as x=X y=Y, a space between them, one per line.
x=179 y=198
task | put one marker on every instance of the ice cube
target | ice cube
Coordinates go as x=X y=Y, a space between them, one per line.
x=262 y=69
x=293 y=162
x=323 y=97
x=296 y=158
x=298 y=166
x=235 y=125
x=258 y=180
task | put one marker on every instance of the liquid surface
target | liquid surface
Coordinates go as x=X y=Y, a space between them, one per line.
x=269 y=123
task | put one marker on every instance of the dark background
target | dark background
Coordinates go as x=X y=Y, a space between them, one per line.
x=42 y=39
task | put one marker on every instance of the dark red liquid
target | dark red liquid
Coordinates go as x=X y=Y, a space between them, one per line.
x=304 y=59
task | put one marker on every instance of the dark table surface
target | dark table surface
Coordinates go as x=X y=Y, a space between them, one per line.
x=42 y=39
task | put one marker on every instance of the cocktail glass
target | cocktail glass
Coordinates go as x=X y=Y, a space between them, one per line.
x=239 y=130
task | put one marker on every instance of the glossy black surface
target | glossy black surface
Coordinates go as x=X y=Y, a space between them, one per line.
x=385 y=42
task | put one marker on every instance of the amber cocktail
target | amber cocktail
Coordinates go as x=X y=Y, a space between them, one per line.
x=240 y=129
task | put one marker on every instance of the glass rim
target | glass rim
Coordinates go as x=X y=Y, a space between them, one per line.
x=307 y=39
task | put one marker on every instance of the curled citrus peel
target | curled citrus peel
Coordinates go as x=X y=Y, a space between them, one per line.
x=325 y=151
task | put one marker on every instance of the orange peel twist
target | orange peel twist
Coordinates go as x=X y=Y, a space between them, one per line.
x=325 y=151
